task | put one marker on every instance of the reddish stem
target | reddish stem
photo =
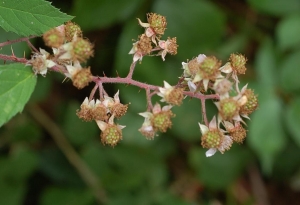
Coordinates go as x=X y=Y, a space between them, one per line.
x=13 y=58
x=16 y=41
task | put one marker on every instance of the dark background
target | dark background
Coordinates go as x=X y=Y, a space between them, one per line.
x=172 y=169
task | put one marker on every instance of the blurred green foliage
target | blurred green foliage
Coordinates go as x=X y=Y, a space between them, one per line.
x=172 y=169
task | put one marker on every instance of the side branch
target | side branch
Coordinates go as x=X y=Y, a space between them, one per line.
x=16 y=41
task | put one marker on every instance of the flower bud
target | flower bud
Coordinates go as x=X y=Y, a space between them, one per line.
x=118 y=109
x=228 y=108
x=82 y=50
x=209 y=68
x=251 y=104
x=82 y=78
x=147 y=130
x=86 y=110
x=72 y=30
x=238 y=63
x=238 y=133
x=53 y=38
x=222 y=86
x=99 y=112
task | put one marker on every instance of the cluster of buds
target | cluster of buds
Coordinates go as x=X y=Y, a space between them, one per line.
x=160 y=118
x=104 y=112
x=233 y=105
x=70 y=49
x=151 y=41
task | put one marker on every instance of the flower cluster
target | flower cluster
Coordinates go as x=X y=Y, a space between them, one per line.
x=70 y=49
x=233 y=105
x=104 y=112
x=204 y=77
x=150 y=41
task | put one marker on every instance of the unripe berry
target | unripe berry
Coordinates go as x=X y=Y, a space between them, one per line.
x=82 y=78
x=118 y=109
x=100 y=112
x=252 y=103
x=111 y=135
x=82 y=50
x=228 y=108
x=162 y=121
x=238 y=63
x=237 y=133
x=211 y=139
x=175 y=96
x=144 y=45
x=71 y=30
x=209 y=68
x=53 y=38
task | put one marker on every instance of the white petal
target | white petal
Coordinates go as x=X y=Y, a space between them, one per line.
x=226 y=68
x=167 y=107
x=203 y=128
x=116 y=97
x=86 y=101
x=167 y=85
x=146 y=114
x=197 y=78
x=50 y=63
x=143 y=24
x=213 y=123
x=102 y=125
x=205 y=83
x=201 y=58
x=121 y=126
x=228 y=125
x=244 y=88
x=192 y=86
x=210 y=152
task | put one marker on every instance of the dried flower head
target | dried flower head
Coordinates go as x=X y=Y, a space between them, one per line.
x=170 y=94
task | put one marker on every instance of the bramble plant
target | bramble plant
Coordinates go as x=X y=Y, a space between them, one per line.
x=204 y=78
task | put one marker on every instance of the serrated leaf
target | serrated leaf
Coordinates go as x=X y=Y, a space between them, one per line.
x=289 y=73
x=266 y=134
x=16 y=85
x=277 y=7
x=30 y=17
x=288 y=31
x=292 y=117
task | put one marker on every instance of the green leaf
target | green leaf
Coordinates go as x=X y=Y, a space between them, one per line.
x=277 y=7
x=265 y=65
x=289 y=73
x=16 y=85
x=266 y=134
x=13 y=174
x=288 y=31
x=292 y=116
x=63 y=196
x=30 y=17
x=103 y=13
